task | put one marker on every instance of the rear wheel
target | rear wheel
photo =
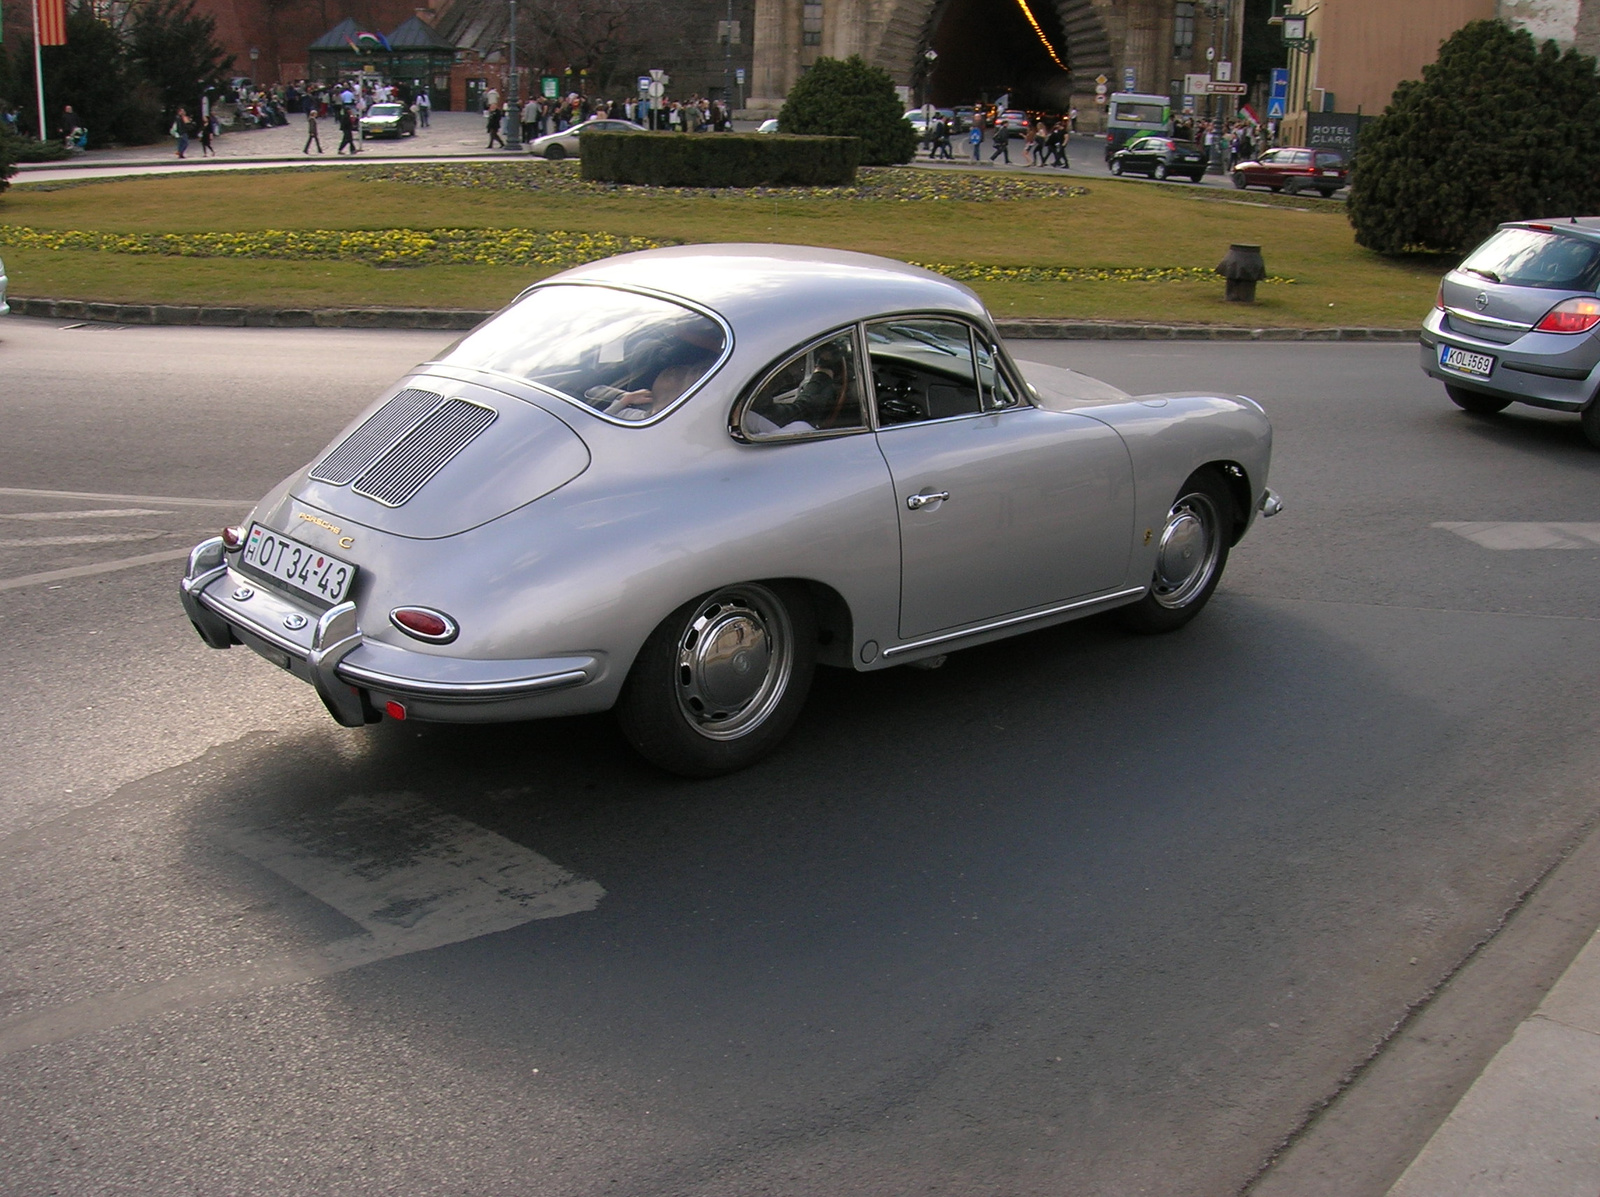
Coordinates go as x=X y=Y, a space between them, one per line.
x=1477 y=402
x=555 y=152
x=1160 y=171
x=1327 y=192
x=1591 y=422
x=1191 y=553
x=722 y=680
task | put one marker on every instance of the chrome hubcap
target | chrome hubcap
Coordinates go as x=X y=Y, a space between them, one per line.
x=1188 y=551
x=734 y=660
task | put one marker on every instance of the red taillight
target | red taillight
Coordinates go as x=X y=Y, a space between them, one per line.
x=433 y=626
x=1438 y=298
x=394 y=709
x=1571 y=316
x=232 y=537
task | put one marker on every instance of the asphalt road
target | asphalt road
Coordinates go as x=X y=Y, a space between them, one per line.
x=1078 y=913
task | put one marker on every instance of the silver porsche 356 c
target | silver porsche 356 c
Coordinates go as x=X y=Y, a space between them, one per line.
x=671 y=483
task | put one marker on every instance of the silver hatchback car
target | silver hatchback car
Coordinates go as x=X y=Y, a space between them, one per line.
x=1519 y=322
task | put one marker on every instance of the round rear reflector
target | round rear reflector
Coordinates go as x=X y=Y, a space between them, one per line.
x=425 y=624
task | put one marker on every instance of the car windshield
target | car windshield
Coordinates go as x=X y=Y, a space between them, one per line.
x=384 y=110
x=627 y=356
x=1533 y=258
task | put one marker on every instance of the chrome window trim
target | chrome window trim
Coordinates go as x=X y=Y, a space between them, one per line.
x=1487 y=321
x=649 y=293
x=742 y=403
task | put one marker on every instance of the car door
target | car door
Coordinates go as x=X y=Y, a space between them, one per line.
x=1270 y=171
x=1139 y=157
x=1003 y=507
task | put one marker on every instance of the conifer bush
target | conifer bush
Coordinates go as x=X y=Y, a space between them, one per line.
x=848 y=98
x=1496 y=129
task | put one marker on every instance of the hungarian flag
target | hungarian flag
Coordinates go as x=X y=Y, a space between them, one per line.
x=50 y=22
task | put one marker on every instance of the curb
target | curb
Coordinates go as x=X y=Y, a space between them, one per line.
x=231 y=317
x=460 y=318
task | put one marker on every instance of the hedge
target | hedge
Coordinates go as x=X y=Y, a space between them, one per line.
x=719 y=159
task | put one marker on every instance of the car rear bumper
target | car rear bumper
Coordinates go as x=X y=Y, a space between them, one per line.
x=1559 y=371
x=358 y=678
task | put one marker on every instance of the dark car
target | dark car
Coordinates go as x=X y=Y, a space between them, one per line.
x=1293 y=169
x=1160 y=157
x=1519 y=322
x=389 y=120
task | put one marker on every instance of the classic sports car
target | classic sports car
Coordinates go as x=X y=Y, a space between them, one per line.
x=672 y=482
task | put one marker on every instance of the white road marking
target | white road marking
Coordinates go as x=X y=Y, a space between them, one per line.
x=92 y=496
x=85 y=571
x=30 y=542
x=103 y=513
x=1506 y=535
x=410 y=875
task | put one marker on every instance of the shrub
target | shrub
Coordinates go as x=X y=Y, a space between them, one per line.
x=9 y=148
x=1496 y=129
x=851 y=99
x=719 y=159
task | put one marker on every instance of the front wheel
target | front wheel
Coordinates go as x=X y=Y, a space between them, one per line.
x=1160 y=171
x=1239 y=180
x=555 y=152
x=1116 y=166
x=721 y=681
x=1191 y=553
x=1475 y=401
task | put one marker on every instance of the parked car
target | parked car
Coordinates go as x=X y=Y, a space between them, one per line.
x=1293 y=169
x=770 y=125
x=1161 y=157
x=389 y=120
x=1014 y=119
x=1519 y=322
x=564 y=144
x=4 y=306
x=672 y=482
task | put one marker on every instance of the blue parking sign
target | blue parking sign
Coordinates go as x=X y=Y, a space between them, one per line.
x=1275 y=107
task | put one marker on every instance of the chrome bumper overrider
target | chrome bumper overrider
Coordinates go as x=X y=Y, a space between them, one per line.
x=1270 y=504
x=329 y=651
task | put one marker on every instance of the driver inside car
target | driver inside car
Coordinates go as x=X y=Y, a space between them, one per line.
x=687 y=358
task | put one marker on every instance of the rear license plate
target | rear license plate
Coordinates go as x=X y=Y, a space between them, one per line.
x=1462 y=361
x=300 y=567
x=1333 y=173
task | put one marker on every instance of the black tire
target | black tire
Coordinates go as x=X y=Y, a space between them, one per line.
x=1475 y=401
x=692 y=704
x=1591 y=422
x=1160 y=171
x=1199 y=524
x=1196 y=178
x=1326 y=192
x=1239 y=180
x=1116 y=166
x=1274 y=188
x=555 y=152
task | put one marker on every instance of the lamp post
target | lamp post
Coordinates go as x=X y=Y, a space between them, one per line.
x=513 y=105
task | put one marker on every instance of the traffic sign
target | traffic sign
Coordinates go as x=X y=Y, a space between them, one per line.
x=1101 y=79
x=1099 y=89
x=738 y=74
x=1195 y=84
x=1275 y=107
x=1130 y=79
x=1216 y=88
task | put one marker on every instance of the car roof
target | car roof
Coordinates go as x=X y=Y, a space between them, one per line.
x=787 y=289
x=1587 y=226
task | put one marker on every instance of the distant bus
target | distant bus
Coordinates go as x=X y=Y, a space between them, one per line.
x=1131 y=114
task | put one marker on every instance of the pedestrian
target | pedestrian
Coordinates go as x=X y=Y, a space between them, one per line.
x=69 y=126
x=207 y=131
x=975 y=139
x=347 y=129
x=530 y=117
x=311 y=130
x=1002 y=143
x=180 y=130
x=496 y=115
x=1055 y=145
x=424 y=107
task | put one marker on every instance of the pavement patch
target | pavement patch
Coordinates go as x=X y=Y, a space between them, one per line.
x=1494 y=534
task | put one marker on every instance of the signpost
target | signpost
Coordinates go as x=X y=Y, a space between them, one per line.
x=1278 y=100
x=1218 y=88
x=1100 y=89
x=1130 y=79
x=1196 y=84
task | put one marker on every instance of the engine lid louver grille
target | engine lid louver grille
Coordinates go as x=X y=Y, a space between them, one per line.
x=377 y=433
x=423 y=451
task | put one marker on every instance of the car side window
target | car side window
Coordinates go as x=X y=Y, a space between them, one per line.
x=922 y=369
x=1271 y=156
x=1329 y=160
x=1302 y=158
x=818 y=390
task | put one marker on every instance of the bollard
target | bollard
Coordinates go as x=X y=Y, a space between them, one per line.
x=1243 y=268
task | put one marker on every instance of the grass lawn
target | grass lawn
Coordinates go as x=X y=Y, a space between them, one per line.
x=924 y=216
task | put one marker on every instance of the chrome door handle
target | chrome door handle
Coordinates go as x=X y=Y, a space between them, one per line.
x=916 y=502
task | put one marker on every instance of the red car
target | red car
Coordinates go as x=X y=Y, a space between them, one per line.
x=1294 y=169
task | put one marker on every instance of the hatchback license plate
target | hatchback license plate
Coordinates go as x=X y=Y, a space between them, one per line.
x=300 y=567
x=1462 y=361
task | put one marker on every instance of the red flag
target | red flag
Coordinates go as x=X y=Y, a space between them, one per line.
x=50 y=22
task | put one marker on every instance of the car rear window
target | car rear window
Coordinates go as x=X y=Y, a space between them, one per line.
x=1534 y=258
x=1330 y=159
x=627 y=356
